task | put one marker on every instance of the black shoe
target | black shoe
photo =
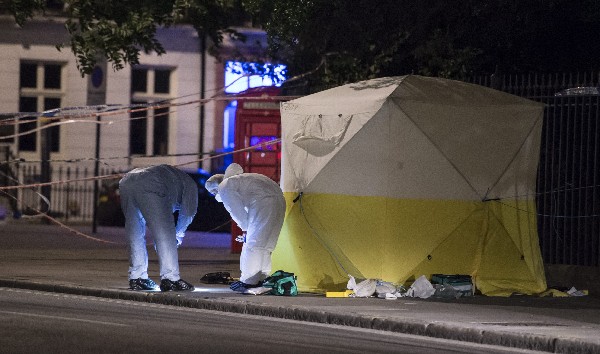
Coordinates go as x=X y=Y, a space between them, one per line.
x=241 y=286
x=142 y=284
x=178 y=285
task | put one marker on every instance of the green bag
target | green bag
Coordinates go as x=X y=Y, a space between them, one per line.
x=281 y=283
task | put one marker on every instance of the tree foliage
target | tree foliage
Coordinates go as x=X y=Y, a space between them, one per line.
x=331 y=42
x=119 y=29
x=343 y=41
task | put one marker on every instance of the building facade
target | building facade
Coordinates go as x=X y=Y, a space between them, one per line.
x=168 y=109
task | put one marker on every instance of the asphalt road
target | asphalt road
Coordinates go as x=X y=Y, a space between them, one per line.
x=52 y=259
x=41 y=322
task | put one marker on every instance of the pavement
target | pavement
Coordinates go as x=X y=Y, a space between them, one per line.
x=38 y=256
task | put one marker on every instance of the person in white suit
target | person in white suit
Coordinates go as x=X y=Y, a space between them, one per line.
x=150 y=196
x=256 y=203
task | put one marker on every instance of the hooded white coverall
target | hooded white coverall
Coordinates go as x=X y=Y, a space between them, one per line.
x=256 y=203
x=150 y=196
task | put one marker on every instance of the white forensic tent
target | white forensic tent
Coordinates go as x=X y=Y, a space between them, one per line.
x=398 y=177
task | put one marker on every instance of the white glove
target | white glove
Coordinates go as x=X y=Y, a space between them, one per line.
x=241 y=238
x=179 y=237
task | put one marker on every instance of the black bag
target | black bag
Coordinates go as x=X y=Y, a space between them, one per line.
x=217 y=278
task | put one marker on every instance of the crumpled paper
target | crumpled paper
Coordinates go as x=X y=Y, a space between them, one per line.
x=574 y=292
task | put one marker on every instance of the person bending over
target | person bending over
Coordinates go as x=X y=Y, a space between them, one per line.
x=149 y=197
x=256 y=203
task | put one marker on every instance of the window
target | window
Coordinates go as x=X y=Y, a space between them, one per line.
x=40 y=90
x=28 y=75
x=161 y=131
x=7 y=128
x=139 y=80
x=149 y=129
x=51 y=103
x=137 y=132
x=162 y=81
x=229 y=125
x=52 y=76
x=28 y=142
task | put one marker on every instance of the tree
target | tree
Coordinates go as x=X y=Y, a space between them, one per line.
x=343 y=41
x=331 y=42
x=119 y=29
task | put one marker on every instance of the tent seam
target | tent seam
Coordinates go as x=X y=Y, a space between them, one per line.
x=439 y=150
x=516 y=154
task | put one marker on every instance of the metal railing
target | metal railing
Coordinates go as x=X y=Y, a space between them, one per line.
x=568 y=185
x=8 y=199
x=70 y=201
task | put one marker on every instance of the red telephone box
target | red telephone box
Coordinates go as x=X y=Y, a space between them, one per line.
x=257 y=121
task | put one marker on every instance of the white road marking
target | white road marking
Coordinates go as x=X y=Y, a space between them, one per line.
x=63 y=318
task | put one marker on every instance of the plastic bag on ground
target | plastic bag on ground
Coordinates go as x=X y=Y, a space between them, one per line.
x=421 y=288
x=387 y=296
x=384 y=287
x=365 y=288
x=446 y=291
x=259 y=290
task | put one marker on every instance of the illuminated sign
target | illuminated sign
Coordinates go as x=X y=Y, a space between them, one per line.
x=240 y=76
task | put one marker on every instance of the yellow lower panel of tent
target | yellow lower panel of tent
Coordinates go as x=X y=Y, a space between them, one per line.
x=326 y=237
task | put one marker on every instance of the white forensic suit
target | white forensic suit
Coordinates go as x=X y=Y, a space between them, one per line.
x=150 y=196
x=256 y=203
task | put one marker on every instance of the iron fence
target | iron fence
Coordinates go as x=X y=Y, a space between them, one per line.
x=71 y=201
x=568 y=191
